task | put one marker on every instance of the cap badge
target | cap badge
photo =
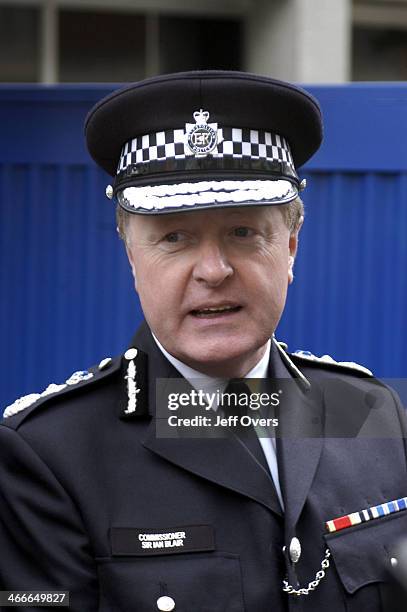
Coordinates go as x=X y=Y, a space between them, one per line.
x=202 y=137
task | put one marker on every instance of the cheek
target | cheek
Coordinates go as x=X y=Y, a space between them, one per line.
x=161 y=289
x=269 y=280
x=274 y=262
x=152 y=297
x=144 y=279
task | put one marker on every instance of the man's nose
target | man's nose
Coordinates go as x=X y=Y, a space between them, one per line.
x=212 y=265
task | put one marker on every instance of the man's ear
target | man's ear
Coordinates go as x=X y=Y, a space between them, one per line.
x=293 y=246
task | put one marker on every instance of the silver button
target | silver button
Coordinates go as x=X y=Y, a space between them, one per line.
x=165 y=603
x=295 y=550
x=131 y=353
x=109 y=192
x=394 y=562
x=104 y=363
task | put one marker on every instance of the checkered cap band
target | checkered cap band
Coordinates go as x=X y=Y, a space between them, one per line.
x=235 y=143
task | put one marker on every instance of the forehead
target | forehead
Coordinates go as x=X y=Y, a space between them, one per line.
x=206 y=218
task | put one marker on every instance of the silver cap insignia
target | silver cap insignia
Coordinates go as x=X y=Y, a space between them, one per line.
x=201 y=138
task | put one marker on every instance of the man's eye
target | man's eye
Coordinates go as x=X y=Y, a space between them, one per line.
x=173 y=237
x=242 y=232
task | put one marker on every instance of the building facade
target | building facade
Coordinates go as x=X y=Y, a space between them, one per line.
x=309 y=41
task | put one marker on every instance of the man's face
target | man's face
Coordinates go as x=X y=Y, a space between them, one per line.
x=213 y=284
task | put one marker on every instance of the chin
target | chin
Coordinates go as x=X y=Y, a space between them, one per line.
x=207 y=358
x=220 y=358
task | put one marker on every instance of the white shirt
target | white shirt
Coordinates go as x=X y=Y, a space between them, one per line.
x=209 y=384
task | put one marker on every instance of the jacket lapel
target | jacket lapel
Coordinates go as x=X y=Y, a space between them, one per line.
x=225 y=461
x=300 y=435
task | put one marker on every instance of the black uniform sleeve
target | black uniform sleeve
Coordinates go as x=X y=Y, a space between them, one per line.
x=43 y=544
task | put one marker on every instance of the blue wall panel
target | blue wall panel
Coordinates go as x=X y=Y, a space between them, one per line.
x=66 y=292
x=349 y=298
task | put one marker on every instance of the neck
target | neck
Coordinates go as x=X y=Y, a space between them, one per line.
x=231 y=368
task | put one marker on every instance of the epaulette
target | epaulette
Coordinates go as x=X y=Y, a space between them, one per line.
x=133 y=401
x=327 y=360
x=77 y=380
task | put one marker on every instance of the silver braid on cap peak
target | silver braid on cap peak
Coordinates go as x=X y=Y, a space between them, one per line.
x=206 y=193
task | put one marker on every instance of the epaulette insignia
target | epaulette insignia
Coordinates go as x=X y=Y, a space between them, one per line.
x=307 y=355
x=28 y=400
x=135 y=400
x=132 y=388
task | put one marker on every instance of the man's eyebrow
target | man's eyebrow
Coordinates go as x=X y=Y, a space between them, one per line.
x=240 y=213
x=246 y=216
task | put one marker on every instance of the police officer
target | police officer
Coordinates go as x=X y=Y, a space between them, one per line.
x=98 y=497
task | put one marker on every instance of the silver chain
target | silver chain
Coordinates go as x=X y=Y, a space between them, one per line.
x=287 y=588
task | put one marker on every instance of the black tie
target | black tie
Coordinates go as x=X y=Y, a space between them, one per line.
x=246 y=435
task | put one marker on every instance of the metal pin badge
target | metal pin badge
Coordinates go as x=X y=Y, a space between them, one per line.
x=131 y=353
x=104 y=363
x=165 y=603
x=109 y=192
x=295 y=550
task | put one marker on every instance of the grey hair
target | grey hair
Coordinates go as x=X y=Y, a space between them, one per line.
x=293 y=214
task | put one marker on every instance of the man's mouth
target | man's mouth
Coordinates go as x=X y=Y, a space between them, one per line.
x=215 y=311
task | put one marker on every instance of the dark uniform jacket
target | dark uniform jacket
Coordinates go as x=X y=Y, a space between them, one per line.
x=80 y=483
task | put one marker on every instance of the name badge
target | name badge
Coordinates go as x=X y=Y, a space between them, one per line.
x=139 y=542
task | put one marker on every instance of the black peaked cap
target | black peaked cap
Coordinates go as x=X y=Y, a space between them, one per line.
x=235 y=99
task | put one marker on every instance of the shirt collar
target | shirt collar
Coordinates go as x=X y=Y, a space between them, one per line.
x=260 y=370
